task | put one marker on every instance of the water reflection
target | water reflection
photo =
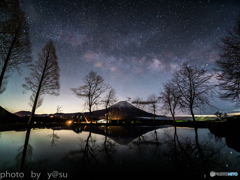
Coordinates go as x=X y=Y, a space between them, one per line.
x=25 y=148
x=156 y=143
x=54 y=138
x=19 y=157
x=231 y=135
x=84 y=157
x=89 y=160
x=194 y=157
x=100 y=150
x=108 y=148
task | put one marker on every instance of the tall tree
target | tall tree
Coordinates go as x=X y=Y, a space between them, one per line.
x=15 y=45
x=170 y=98
x=91 y=91
x=153 y=104
x=228 y=66
x=109 y=100
x=192 y=84
x=44 y=78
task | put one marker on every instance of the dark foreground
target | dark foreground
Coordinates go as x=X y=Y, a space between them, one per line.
x=138 y=150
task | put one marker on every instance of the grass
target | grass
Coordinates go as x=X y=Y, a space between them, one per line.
x=183 y=121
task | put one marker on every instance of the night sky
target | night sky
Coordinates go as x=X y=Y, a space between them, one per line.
x=135 y=46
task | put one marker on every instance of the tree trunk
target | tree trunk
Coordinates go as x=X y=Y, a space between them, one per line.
x=90 y=111
x=154 y=116
x=8 y=56
x=192 y=114
x=106 y=113
x=173 y=117
x=38 y=91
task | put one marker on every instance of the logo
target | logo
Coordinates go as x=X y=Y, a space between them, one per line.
x=212 y=174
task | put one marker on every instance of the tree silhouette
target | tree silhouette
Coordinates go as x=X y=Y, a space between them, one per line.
x=92 y=89
x=153 y=104
x=59 y=109
x=218 y=114
x=140 y=104
x=171 y=99
x=109 y=100
x=15 y=45
x=44 y=78
x=228 y=66
x=108 y=147
x=193 y=85
x=192 y=156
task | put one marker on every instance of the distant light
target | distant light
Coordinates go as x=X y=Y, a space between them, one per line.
x=69 y=122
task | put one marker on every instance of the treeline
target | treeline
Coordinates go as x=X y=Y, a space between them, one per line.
x=189 y=89
x=15 y=51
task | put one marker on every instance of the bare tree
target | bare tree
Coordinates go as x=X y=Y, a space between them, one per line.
x=109 y=100
x=140 y=105
x=15 y=44
x=193 y=85
x=59 y=109
x=170 y=98
x=218 y=114
x=228 y=66
x=92 y=89
x=153 y=104
x=44 y=78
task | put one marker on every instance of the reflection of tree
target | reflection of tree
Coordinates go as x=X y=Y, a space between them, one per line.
x=85 y=156
x=108 y=147
x=25 y=149
x=141 y=144
x=88 y=158
x=193 y=157
x=54 y=137
x=156 y=144
x=20 y=153
x=24 y=153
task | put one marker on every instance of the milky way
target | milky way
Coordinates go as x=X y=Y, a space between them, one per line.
x=134 y=45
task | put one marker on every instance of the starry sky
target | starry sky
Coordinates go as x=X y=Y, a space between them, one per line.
x=135 y=46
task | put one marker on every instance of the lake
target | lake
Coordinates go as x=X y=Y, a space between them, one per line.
x=117 y=151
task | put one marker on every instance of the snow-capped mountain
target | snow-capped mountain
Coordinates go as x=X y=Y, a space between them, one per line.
x=122 y=104
x=121 y=110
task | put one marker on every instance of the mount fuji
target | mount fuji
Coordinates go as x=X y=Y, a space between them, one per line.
x=121 y=110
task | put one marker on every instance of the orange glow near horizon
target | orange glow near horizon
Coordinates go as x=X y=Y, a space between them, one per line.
x=69 y=122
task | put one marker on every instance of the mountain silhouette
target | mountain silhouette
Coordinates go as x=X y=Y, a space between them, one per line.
x=23 y=113
x=6 y=116
x=121 y=110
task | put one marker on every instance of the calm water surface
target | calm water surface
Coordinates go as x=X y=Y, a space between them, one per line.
x=101 y=151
